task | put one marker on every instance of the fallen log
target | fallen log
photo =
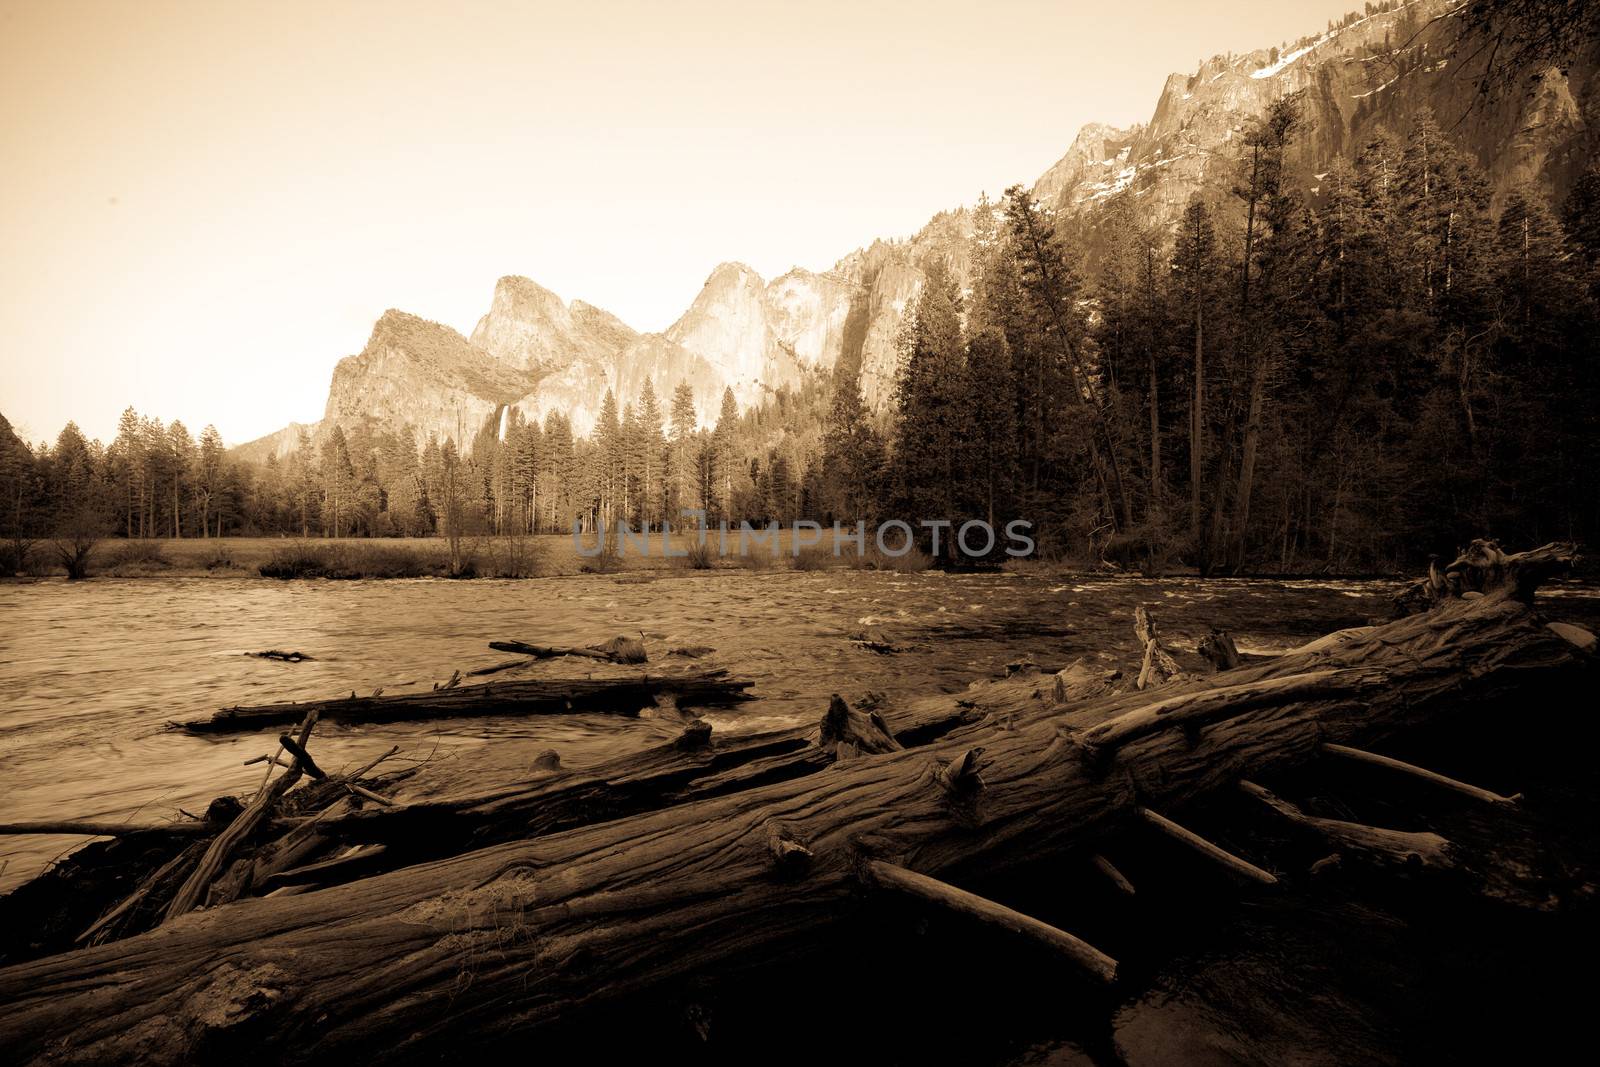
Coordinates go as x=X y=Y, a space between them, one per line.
x=510 y=939
x=89 y=828
x=658 y=778
x=617 y=650
x=536 y=696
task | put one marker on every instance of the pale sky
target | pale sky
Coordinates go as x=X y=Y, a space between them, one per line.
x=204 y=205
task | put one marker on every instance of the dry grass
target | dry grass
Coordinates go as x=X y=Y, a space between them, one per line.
x=487 y=557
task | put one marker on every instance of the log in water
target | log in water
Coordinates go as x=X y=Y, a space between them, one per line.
x=532 y=696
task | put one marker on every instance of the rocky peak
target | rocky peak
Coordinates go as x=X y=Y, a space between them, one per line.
x=422 y=373
x=533 y=329
x=1374 y=69
x=727 y=326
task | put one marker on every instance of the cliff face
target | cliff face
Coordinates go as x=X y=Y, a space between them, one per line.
x=419 y=372
x=532 y=329
x=1374 y=71
x=742 y=332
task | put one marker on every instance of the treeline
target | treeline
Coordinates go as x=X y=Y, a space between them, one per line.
x=153 y=480
x=1335 y=378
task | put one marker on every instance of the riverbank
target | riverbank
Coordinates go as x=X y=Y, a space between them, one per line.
x=535 y=556
x=532 y=556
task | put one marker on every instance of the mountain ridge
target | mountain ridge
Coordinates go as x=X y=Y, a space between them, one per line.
x=756 y=336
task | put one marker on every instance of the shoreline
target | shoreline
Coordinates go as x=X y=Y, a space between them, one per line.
x=554 y=555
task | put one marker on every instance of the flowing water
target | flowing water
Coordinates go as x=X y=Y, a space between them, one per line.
x=91 y=673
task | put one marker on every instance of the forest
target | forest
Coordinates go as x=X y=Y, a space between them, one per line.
x=1298 y=378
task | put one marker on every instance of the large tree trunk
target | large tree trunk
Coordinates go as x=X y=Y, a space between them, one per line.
x=430 y=959
x=1197 y=430
x=1154 y=509
x=1247 y=462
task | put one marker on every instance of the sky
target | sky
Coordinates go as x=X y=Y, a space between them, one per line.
x=204 y=205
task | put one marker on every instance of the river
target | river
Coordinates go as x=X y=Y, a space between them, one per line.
x=92 y=671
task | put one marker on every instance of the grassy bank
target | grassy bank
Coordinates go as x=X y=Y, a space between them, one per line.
x=429 y=557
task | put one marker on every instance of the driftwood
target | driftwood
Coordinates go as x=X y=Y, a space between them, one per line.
x=1216 y=854
x=221 y=849
x=1374 y=843
x=1372 y=759
x=510 y=939
x=616 y=650
x=1158 y=667
x=1218 y=647
x=940 y=894
x=280 y=655
x=537 y=696
x=1481 y=568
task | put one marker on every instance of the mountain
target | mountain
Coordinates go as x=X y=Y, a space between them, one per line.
x=542 y=354
x=1363 y=72
x=532 y=329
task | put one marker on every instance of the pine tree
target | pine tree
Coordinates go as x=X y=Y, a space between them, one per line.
x=933 y=417
x=526 y=447
x=338 y=480
x=130 y=464
x=652 y=447
x=993 y=443
x=780 y=489
x=208 y=477
x=180 y=453
x=303 y=481
x=1378 y=176
x=1195 y=273
x=1580 y=214
x=685 y=422
x=608 y=438
x=1270 y=210
x=632 y=460
x=852 y=454
x=723 y=454
x=1048 y=287
x=561 y=469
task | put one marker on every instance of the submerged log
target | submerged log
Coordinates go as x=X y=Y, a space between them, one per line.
x=511 y=939
x=535 y=696
x=617 y=650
